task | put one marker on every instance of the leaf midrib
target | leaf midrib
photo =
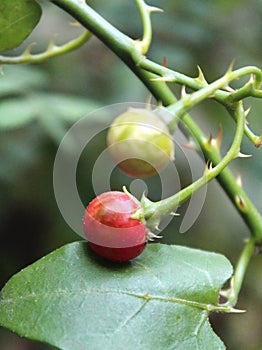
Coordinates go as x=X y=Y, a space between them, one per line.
x=147 y=297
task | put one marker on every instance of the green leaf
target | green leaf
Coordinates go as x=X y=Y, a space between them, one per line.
x=53 y=110
x=69 y=108
x=15 y=113
x=74 y=300
x=17 y=20
x=20 y=79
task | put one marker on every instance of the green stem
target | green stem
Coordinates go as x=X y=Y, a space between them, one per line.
x=145 y=12
x=51 y=51
x=159 y=210
x=188 y=101
x=198 y=83
x=118 y=42
x=240 y=270
x=224 y=97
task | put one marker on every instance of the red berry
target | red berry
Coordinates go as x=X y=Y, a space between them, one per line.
x=109 y=228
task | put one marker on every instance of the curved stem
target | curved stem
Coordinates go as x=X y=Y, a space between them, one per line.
x=51 y=51
x=222 y=96
x=159 y=210
x=145 y=12
x=237 y=279
x=118 y=42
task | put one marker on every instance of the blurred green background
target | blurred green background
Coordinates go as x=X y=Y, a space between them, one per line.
x=38 y=103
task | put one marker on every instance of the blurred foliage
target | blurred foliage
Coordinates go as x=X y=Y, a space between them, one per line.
x=39 y=103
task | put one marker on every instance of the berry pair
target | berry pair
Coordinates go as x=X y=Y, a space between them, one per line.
x=141 y=146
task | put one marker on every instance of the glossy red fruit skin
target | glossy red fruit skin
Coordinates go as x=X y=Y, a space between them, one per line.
x=109 y=228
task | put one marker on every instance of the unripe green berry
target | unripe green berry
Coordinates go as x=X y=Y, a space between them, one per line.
x=140 y=143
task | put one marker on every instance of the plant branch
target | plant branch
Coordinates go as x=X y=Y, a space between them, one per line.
x=155 y=211
x=145 y=11
x=146 y=70
x=224 y=97
x=52 y=51
x=237 y=279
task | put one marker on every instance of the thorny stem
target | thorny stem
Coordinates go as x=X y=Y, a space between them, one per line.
x=145 y=12
x=224 y=97
x=155 y=211
x=52 y=51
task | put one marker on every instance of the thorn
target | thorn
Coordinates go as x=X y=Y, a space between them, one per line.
x=236 y=311
x=126 y=192
x=239 y=180
x=183 y=91
x=229 y=88
x=154 y=9
x=209 y=165
x=201 y=78
x=51 y=43
x=174 y=214
x=27 y=51
x=151 y=236
x=209 y=141
x=190 y=145
x=231 y=66
x=242 y=155
x=148 y=102
x=164 y=79
x=224 y=293
x=251 y=79
x=247 y=111
x=219 y=136
x=164 y=61
x=75 y=24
